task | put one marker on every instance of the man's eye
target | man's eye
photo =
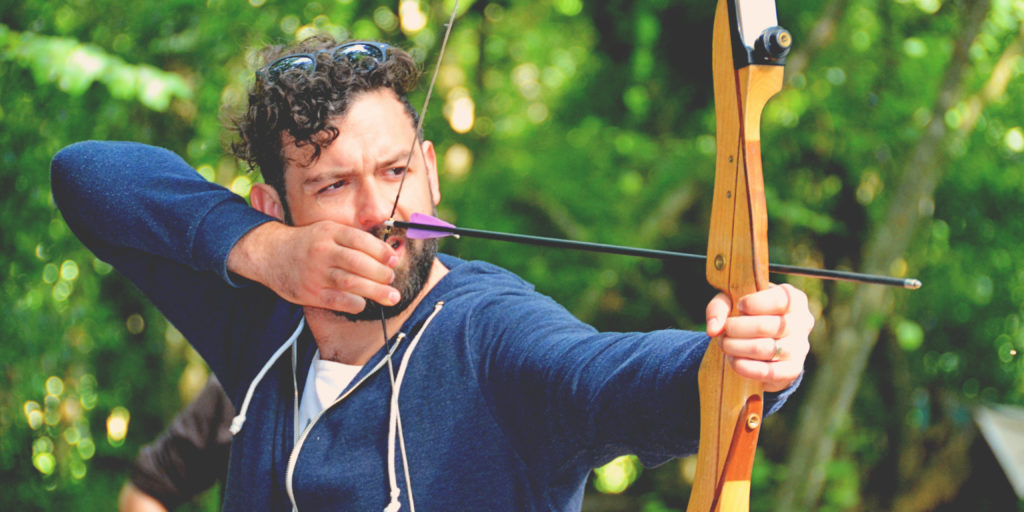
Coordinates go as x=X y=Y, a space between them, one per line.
x=397 y=171
x=333 y=186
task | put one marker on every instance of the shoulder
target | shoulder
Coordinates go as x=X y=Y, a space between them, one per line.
x=481 y=282
x=464 y=273
x=496 y=304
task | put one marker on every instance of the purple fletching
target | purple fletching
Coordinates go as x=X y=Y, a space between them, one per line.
x=421 y=234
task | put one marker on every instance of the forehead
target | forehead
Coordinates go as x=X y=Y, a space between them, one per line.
x=376 y=123
x=379 y=112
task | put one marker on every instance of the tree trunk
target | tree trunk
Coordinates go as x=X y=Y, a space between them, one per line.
x=856 y=326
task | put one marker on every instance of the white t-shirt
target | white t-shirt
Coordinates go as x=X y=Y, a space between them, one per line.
x=324 y=383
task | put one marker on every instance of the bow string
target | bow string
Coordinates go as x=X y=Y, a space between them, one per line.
x=394 y=504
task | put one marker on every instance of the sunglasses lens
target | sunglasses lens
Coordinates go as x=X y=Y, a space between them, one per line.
x=361 y=56
x=285 y=64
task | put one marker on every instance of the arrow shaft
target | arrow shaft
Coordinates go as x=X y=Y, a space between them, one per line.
x=561 y=243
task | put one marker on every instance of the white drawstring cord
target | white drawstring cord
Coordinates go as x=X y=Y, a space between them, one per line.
x=238 y=421
x=395 y=423
x=394 y=505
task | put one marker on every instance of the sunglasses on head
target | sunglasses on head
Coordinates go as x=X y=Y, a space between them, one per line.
x=361 y=55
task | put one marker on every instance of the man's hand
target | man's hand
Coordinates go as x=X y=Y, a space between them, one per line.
x=324 y=264
x=767 y=341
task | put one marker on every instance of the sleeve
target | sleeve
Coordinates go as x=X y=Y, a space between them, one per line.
x=162 y=225
x=192 y=454
x=593 y=395
x=130 y=196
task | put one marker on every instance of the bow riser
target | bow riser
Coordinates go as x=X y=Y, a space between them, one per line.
x=731 y=406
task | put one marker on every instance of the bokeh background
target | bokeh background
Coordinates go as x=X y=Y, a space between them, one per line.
x=895 y=147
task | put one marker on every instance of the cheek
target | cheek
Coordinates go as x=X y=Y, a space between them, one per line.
x=418 y=199
x=305 y=211
x=337 y=207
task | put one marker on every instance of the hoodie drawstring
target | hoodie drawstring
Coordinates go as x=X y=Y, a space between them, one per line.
x=395 y=420
x=238 y=421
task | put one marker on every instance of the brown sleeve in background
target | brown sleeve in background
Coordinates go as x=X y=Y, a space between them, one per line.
x=192 y=454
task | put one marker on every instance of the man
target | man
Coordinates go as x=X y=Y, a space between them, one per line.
x=474 y=392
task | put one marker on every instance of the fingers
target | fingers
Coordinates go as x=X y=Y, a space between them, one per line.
x=776 y=300
x=338 y=301
x=762 y=326
x=774 y=362
x=329 y=265
x=342 y=262
x=365 y=243
x=768 y=340
x=357 y=266
x=759 y=349
x=775 y=376
x=349 y=283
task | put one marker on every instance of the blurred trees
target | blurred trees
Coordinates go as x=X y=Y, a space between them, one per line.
x=586 y=120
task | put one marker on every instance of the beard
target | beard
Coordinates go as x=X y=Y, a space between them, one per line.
x=409 y=279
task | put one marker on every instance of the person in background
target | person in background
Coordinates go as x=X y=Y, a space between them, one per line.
x=186 y=459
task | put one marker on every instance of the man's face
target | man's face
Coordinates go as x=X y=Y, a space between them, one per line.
x=356 y=179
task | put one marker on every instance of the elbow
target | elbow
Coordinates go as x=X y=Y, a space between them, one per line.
x=66 y=170
x=72 y=156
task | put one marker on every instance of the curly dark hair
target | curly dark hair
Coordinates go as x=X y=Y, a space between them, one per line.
x=303 y=104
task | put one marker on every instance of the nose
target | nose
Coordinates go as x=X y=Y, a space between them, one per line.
x=374 y=206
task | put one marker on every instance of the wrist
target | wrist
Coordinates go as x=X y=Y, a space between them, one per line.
x=249 y=258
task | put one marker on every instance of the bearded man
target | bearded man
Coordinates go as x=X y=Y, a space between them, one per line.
x=482 y=395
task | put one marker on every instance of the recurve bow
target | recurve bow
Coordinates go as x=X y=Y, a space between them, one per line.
x=748 y=53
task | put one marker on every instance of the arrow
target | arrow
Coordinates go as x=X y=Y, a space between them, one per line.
x=421 y=226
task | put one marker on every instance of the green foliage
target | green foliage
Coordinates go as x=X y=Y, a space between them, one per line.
x=74 y=66
x=617 y=475
x=591 y=120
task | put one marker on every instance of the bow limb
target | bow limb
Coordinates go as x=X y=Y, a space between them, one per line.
x=731 y=406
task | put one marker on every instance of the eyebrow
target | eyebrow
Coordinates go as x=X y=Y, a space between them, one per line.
x=398 y=159
x=325 y=177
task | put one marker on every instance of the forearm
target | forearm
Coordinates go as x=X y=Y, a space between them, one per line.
x=590 y=394
x=595 y=394
x=122 y=196
x=169 y=231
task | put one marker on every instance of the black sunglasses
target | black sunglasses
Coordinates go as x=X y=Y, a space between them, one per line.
x=361 y=55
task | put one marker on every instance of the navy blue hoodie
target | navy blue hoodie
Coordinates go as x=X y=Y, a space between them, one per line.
x=504 y=400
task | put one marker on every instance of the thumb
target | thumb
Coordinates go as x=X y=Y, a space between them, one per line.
x=716 y=314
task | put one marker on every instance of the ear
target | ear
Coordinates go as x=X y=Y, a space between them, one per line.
x=432 y=179
x=265 y=199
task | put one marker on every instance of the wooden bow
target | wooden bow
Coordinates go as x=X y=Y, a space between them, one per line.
x=748 y=52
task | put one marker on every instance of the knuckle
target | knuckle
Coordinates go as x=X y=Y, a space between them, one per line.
x=347 y=259
x=320 y=248
x=346 y=281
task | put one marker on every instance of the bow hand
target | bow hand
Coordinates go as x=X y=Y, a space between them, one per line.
x=767 y=341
